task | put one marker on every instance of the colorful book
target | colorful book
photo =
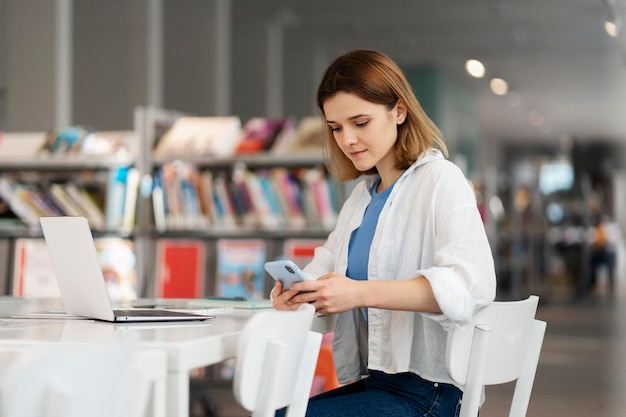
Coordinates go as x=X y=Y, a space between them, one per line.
x=180 y=268
x=259 y=134
x=118 y=261
x=240 y=270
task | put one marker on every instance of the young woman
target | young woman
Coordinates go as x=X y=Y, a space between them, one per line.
x=409 y=257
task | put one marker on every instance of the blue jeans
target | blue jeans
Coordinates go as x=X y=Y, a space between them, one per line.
x=382 y=395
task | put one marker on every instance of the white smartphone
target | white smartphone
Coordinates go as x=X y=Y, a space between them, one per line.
x=285 y=271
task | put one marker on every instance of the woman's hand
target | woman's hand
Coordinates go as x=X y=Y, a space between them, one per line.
x=330 y=293
x=283 y=299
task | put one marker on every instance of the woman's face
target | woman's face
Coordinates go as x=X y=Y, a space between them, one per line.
x=366 y=132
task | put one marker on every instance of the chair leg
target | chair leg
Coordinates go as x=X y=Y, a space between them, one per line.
x=302 y=388
x=474 y=386
x=524 y=384
x=272 y=365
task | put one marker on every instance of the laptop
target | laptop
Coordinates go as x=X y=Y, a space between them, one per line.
x=80 y=278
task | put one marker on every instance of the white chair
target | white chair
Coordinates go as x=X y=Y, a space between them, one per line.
x=276 y=359
x=503 y=346
x=65 y=381
x=74 y=380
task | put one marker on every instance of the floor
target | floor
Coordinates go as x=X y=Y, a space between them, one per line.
x=582 y=369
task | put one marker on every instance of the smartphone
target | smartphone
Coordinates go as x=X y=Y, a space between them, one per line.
x=285 y=271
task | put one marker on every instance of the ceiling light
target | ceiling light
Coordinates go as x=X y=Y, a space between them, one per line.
x=475 y=68
x=499 y=86
x=611 y=28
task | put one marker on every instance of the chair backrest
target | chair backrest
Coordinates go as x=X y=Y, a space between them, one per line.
x=503 y=345
x=275 y=363
x=65 y=381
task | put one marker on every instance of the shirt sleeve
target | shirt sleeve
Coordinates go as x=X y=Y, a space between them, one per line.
x=462 y=277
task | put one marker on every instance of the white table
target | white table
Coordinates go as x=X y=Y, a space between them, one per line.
x=189 y=345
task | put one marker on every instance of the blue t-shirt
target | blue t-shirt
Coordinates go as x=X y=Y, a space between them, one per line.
x=361 y=239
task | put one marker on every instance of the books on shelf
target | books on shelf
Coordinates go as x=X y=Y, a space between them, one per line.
x=182 y=198
x=259 y=134
x=33 y=274
x=121 y=199
x=226 y=199
x=308 y=138
x=200 y=136
x=29 y=202
x=240 y=270
x=79 y=140
x=180 y=268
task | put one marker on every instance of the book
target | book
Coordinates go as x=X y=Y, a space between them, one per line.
x=118 y=261
x=116 y=198
x=205 y=136
x=180 y=268
x=130 y=199
x=33 y=273
x=259 y=134
x=301 y=251
x=240 y=270
x=308 y=138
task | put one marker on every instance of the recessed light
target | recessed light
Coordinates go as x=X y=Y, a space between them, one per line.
x=475 y=68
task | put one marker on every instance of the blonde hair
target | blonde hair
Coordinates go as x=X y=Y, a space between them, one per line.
x=376 y=78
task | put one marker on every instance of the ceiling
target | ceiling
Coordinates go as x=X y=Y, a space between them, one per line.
x=556 y=56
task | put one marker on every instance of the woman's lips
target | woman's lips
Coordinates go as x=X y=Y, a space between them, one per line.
x=356 y=154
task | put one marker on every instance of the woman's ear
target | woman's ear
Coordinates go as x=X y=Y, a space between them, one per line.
x=400 y=112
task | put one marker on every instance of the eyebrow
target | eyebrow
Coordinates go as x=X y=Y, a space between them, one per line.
x=350 y=118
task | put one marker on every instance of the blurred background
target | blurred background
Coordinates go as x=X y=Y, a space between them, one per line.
x=530 y=96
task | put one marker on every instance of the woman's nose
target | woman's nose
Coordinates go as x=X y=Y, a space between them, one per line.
x=348 y=137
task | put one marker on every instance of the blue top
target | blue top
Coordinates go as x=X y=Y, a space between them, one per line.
x=361 y=239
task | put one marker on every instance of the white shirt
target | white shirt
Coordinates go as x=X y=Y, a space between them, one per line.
x=431 y=227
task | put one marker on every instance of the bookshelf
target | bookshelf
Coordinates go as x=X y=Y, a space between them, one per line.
x=279 y=195
x=234 y=200
x=36 y=181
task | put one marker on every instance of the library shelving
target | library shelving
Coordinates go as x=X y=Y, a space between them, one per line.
x=203 y=210
x=214 y=217
x=95 y=176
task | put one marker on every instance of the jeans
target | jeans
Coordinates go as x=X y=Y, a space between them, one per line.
x=382 y=395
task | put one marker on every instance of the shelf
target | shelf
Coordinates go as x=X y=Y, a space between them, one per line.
x=244 y=233
x=64 y=163
x=256 y=160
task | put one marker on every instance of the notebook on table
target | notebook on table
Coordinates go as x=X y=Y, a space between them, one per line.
x=80 y=278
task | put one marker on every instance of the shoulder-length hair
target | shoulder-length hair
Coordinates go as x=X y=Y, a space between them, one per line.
x=376 y=78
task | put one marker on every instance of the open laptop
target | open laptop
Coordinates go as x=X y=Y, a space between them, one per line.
x=80 y=278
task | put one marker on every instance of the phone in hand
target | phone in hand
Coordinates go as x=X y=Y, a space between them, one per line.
x=285 y=271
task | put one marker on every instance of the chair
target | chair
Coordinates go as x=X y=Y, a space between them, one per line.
x=502 y=346
x=276 y=359
x=65 y=381
x=79 y=379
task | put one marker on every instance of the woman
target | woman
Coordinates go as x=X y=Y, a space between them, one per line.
x=409 y=257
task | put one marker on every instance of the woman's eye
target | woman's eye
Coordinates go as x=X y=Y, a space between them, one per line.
x=361 y=124
x=334 y=129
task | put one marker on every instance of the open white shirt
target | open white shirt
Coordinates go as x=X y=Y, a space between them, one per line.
x=431 y=227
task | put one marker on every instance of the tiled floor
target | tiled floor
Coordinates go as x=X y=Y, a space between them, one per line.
x=582 y=369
